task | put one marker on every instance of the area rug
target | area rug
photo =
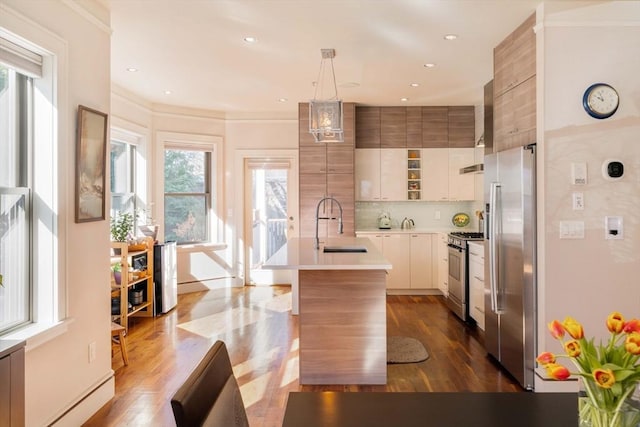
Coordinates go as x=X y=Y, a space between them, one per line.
x=405 y=350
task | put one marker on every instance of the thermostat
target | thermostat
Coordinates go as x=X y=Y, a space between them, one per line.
x=612 y=169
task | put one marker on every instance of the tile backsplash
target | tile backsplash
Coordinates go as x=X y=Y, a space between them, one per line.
x=424 y=214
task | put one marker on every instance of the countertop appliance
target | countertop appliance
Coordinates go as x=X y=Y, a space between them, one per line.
x=458 y=297
x=407 y=224
x=165 y=277
x=510 y=292
x=384 y=221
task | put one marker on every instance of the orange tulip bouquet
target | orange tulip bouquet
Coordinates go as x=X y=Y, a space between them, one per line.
x=610 y=373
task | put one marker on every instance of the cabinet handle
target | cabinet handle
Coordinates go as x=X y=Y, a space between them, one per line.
x=481 y=310
x=476 y=277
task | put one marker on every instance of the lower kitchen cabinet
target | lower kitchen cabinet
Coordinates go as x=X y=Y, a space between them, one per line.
x=411 y=256
x=421 y=262
x=476 y=283
x=395 y=248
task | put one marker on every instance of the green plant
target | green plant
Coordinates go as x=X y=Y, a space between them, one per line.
x=116 y=267
x=121 y=226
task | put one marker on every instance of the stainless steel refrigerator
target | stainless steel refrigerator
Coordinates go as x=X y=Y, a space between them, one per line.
x=510 y=292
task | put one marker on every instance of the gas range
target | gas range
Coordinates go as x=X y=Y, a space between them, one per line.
x=459 y=238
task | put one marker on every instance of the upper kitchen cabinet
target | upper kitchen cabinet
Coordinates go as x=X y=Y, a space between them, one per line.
x=514 y=60
x=441 y=178
x=367 y=127
x=514 y=117
x=462 y=127
x=393 y=127
x=514 y=88
x=414 y=127
x=435 y=127
x=377 y=175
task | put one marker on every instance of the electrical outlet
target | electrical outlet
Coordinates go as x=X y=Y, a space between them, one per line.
x=437 y=215
x=92 y=351
x=578 y=201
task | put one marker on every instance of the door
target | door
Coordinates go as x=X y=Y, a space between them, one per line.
x=269 y=216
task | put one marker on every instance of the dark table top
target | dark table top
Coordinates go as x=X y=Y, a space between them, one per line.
x=378 y=409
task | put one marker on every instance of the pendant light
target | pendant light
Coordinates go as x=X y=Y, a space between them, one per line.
x=325 y=114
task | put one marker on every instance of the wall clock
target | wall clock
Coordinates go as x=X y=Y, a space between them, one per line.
x=600 y=100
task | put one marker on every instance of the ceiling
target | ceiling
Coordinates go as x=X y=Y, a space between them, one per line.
x=196 y=50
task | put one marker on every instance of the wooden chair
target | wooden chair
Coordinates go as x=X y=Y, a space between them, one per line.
x=119 y=331
x=210 y=396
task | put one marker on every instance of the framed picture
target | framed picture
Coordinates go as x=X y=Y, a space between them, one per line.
x=91 y=153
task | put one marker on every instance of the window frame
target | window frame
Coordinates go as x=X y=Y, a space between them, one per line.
x=51 y=118
x=131 y=150
x=196 y=142
x=206 y=193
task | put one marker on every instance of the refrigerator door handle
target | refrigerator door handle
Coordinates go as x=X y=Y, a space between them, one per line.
x=493 y=246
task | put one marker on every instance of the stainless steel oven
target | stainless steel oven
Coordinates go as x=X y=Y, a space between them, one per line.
x=458 y=272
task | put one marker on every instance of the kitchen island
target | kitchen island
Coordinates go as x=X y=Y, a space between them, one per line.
x=342 y=308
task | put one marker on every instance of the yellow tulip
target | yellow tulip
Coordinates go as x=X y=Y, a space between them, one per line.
x=615 y=322
x=604 y=377
x=573 y=328
x=573 y=348
x=632 y=343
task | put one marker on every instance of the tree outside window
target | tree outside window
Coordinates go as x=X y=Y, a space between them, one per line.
x=187 y=197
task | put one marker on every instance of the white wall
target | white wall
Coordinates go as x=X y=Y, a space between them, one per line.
x=58 y=372
x=266 y=136
x=260 y=136
x=591 y=277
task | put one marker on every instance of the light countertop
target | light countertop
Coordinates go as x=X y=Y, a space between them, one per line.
x=411 y=231
x=300 y=254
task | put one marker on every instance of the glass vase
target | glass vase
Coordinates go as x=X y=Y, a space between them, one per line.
x=593 y=416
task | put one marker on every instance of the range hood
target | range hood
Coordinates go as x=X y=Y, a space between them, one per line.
x=477 y=168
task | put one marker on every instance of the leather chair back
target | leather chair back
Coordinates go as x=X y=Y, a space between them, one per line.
x=210 y=396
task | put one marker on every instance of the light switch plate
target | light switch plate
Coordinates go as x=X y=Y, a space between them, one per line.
x=572 y=229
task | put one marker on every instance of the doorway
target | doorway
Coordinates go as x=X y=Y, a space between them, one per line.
x=270 y=210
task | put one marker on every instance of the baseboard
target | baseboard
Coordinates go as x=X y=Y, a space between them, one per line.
x=414 y=292
x=94 y=399
x=207 y=285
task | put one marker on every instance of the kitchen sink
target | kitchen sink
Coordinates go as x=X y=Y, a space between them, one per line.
x=344 y=249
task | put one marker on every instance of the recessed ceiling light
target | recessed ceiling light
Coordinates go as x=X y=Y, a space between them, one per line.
x=250 y=39
x=450 y=36
x=282 y=99
x=414 y=84
x=404 y=99
x=132 y=69
x=429 y=65
x=167 y=92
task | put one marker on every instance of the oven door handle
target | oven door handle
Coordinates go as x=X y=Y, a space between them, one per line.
x=493 y=248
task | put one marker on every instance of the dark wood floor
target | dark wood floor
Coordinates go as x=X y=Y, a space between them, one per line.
x=261 y=335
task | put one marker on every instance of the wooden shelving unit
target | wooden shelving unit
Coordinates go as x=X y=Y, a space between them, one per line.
x=414 y=174
x=134 y=280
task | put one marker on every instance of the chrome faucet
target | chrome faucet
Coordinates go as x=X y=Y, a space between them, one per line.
x=318 y=217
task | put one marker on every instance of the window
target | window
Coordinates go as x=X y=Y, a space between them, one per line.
x=123 y=172
x=15 y=199
x=32 y=176
x=187 y=195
